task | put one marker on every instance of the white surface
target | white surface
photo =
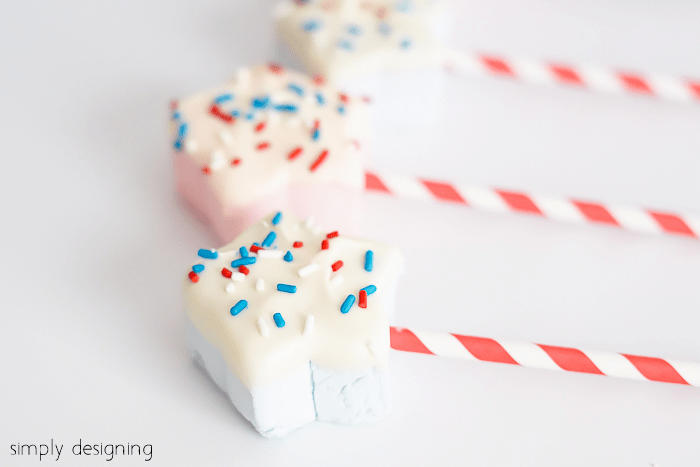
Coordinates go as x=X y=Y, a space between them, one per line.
x=95 y=242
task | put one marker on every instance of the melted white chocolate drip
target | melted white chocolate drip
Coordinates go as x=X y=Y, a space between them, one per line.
x=254 y=347
x=247 y=157
x=349 y=38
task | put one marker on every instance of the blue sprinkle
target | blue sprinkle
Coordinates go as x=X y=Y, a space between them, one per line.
x=238 y=307
x=384 y=29
x=341 y=110
x=404 y=6
x=260 y=102
x=406 y=43
x=320 y=99
x=208 y=254
x=369 y=260
x=176 y=115
x=279 y=321
x=276 y=220
x=269 y=239
x=178 y=144
x=236 y=113
x=182 y=131
x=198 y=268
x=256 y=244
x=287 y=288
x=250 y=116
x=354 y=30
x=288 y=257
x=243 y=261
x=286 y=108
x=347 y=304
x=311 y=26
x=296 y=89
x=223 y=98
x=316 y=134
x=346 y=45
x=370 y=289
x=244 y=251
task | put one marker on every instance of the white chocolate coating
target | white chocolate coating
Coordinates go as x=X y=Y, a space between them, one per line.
x=259 y=352
x=244 y=146
x=353 y=38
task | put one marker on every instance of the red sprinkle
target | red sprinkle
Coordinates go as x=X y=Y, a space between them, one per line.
x=319 y=80
x=356 y=143
x=317 y=124
x=381 y=12
x=319 y=160
x=173 y=104
x=332 y=234
x=298 y=244
x=206 y=170
x=343 y=98
x=226 y=273
x=243 y=270
x=363 y=299
x=275 y=68
x=236 y=161
x=260 y=127
x=216 y=111
x=366 y=99
x=296 y=152
x=262 y=146
x=255 y=248
x=337 y=265
x=324 y=245
x=193 y=276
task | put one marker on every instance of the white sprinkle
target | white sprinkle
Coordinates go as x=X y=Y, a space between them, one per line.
x=309 y=222
x=262 y=325
x=217 y=159
x=308 y=269
x=282 y=9
x=316 y=229
x=230 y=288
x=270 y=253
x=191 y=145
x=243 y=76
x=273 y=118
x=238 y=277
x=308 y=325
x=337 y=280
x=284 y=96
x=226 y=138
x=260 y=285
x=373 y=348
x=266 y=224
x=295 y=226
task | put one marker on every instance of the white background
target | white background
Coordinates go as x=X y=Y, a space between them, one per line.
x=95 y=241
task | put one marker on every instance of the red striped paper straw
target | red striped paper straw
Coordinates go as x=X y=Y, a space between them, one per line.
x=548 y=357
x=597 y=78
x=557 y=208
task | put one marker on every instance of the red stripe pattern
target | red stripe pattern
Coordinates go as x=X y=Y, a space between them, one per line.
x=656 y=369
x=598 y=79
x=519 y=202
x=565 y=358
x=571 y=359
x=444 y=191
x=405 y=340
